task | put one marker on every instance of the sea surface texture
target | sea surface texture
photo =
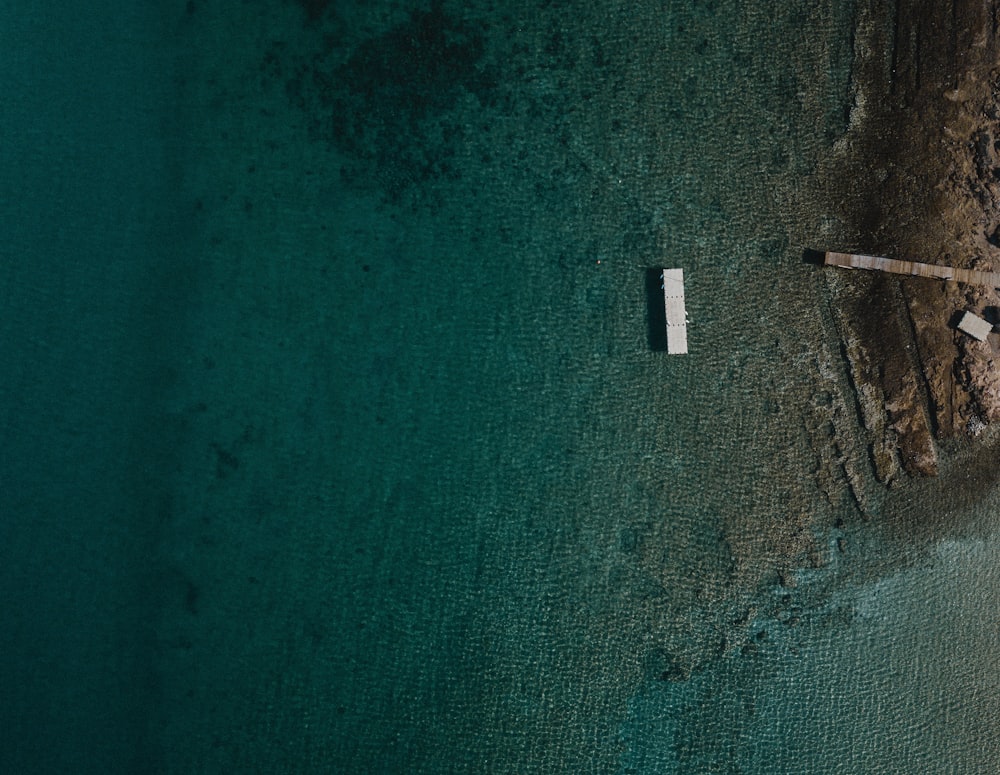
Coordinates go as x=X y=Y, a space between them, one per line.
x=338 y=430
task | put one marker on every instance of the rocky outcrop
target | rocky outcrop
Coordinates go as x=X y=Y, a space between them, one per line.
x=920 y=179
x=871 y=318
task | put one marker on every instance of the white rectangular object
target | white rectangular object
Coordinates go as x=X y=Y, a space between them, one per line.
x=673 y=301
x=975 y=326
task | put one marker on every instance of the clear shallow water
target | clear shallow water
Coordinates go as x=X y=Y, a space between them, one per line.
x=392 y=479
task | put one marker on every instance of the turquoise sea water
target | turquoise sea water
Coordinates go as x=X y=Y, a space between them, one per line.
x=336 y=437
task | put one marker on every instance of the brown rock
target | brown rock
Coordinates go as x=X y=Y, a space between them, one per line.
x=932 y=122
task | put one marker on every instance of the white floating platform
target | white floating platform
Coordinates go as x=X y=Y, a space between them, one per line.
x=975 y=326
x=673 y=300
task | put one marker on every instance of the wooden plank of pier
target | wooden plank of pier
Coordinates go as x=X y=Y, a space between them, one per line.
x=914 y=268
x=673 y=300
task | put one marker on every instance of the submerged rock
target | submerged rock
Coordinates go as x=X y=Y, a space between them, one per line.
x=670 y=667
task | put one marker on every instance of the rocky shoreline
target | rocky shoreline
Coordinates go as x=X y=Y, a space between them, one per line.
x=918 y=177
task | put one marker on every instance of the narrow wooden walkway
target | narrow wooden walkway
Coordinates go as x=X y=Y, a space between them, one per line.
x=673 y=300
x=855 y=261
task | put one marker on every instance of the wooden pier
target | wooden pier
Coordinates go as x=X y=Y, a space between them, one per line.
x=914 y=268
x=673 y=300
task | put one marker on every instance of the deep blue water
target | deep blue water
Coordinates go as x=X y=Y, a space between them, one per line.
x=336 y=437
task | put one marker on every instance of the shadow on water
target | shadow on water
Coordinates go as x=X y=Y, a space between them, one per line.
x=814 y=257
x=656 y=314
